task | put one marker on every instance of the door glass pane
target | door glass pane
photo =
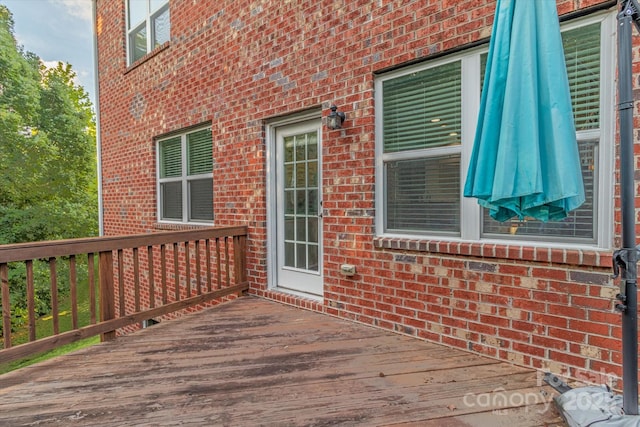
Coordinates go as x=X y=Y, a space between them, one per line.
x=312 y=146
x=312 y=174
x=289 y=254
x=300 y=202
x=301 y=148
x=312 y=202
x=288 y=176
x=301 y=229
x=313 y=229
x=289 y=228
x=289 y=202
x=301 y=255
x=312 y=263
x=288 y=149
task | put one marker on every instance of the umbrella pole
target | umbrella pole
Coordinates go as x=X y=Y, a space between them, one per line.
x=627 y=257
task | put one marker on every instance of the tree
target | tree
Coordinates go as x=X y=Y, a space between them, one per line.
x=48 y=168
x=48 y=184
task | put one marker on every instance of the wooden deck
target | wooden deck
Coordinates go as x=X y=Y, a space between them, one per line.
x=254 y=362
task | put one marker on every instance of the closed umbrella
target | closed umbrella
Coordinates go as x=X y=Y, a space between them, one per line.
x=525 y=163
x=525 y=160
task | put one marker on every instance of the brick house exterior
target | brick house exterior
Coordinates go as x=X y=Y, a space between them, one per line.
x=259 y=72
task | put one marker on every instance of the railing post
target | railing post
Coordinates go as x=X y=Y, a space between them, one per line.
x=6 y=304
x=107 y=291
x=240 y=259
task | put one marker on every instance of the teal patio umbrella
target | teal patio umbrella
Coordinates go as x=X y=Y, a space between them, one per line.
x=525 y=160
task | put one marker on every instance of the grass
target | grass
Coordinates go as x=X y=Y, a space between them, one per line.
x=44 y=328
x=21 y=363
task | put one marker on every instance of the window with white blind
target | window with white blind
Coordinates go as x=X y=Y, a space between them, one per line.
x=185 y=177
x=425 y=125
x=148 y=26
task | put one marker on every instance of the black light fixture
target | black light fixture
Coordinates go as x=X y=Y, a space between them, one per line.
x=335 y=118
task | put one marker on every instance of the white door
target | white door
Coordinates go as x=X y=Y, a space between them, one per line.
x=298 y=211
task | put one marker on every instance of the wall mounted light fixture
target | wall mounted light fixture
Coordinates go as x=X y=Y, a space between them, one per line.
x=335 y=118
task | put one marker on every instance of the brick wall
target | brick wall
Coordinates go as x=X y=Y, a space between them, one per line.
x=240 y=63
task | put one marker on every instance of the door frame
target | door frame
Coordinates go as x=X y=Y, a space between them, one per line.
x=271 y=193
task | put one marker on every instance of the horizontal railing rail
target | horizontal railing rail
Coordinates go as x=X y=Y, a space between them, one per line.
x=128 y=280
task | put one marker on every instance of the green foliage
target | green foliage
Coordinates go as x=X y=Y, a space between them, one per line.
x=42 y=291
x=48 y=173
x=48 y=168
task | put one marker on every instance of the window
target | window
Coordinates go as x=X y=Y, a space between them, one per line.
x=185 y=177
x=148 y=26
x=425 y=127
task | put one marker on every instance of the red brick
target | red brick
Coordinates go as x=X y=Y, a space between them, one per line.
x=569 y=335
x=549 y=343
x=567 y=358
x=589 y=327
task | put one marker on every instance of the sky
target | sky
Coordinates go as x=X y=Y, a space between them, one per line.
x=57 y=30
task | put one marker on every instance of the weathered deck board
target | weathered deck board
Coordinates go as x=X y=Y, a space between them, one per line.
x=256 y=362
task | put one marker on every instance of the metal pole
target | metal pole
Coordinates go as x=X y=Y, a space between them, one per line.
x=629 y=252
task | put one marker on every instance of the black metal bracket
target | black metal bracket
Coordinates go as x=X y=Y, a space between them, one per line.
x=623 y=260
x=625 y=106
x=632 y=8
x=556 y=382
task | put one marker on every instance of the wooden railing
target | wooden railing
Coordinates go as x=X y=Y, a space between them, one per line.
x=139 y=277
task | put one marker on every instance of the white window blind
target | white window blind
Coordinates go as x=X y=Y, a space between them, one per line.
x=424 y=194
x=423 y=109
x=199 y=162
x=422 y=112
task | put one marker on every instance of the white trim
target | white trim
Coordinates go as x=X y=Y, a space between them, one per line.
x=271 y=186
x=147 y=23
x=96 y=70
x=184 y=179
x=470 y=217
x=606 y=147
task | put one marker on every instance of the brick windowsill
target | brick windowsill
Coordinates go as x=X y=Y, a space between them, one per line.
x=514 y=251
x=163 y=226
x=147 y=57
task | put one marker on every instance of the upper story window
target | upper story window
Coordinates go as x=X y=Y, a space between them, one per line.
x=148 y=26
x=425 y=127
x=185 y=177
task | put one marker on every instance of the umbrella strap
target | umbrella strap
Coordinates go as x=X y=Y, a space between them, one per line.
x=625 y=264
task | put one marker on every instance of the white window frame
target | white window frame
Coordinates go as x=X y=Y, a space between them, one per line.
x=471 y=217
x=147 y=23
x=184 y=178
